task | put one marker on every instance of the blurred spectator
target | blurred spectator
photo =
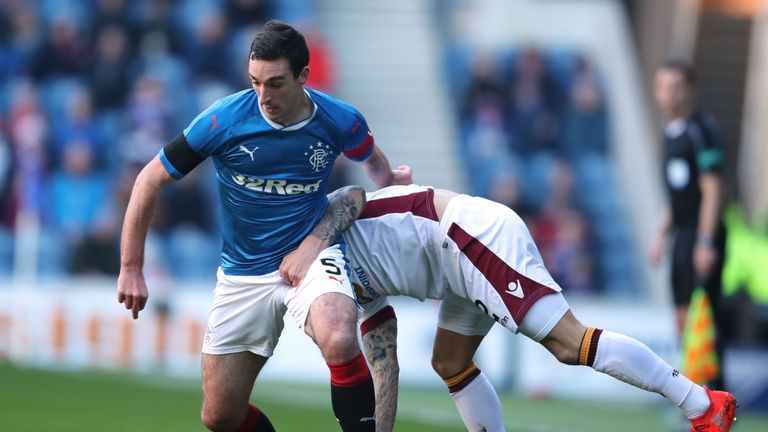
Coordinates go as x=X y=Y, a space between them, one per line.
x=585 y=127
x=114 y=14
x=155 y=18
x=533 y=106
x=561 y=234
x=109 y=74
x=76 y=125
x=23 y=37
x=148 y=116
x=208 y=54
x=483 y=84
x=246 y=13
x=27 y=131
x=81 y=213
x=64 y=52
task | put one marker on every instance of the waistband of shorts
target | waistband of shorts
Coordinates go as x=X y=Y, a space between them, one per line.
x=272 y=277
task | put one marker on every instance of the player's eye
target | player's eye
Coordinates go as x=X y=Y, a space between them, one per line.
x=275 y=85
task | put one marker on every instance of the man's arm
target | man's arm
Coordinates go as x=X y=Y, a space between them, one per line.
x=380 y=345
x=704 y=254
x=131 y=287
x=378 y=169
x=344 y=206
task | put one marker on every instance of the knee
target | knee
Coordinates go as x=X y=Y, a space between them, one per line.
x=446 y=367
x=339 y=346
x=218 y=421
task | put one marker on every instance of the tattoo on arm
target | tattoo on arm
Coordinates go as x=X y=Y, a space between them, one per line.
x=380 y=346
x=344 y=207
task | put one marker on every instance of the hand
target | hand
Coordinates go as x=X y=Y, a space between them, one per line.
x=704 y=257
x=295 y=265
x=658 y=249
x=402 y=175
x=132 y=291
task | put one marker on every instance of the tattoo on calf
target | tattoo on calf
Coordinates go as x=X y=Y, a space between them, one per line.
x=380 y=346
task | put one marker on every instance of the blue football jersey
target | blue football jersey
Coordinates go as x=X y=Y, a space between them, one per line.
x=272 y=178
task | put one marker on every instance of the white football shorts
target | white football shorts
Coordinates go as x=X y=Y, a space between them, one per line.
x=247 y=311
x=495 y=272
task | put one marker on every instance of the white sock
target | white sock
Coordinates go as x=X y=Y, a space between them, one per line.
x=689 y=396
x=478 y=404
x=629 y=360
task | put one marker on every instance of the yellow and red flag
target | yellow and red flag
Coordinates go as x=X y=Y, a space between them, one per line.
x=700 y=362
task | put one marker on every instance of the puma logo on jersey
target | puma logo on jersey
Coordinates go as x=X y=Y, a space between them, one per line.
x=213 y=122
x=515 y=289
x=250 y=152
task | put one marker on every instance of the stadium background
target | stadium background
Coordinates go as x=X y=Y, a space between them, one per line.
x=542 y=105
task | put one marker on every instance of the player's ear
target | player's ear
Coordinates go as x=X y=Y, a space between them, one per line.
x=303 y=75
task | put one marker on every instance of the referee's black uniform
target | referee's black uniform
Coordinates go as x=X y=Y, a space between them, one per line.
x=693 y=147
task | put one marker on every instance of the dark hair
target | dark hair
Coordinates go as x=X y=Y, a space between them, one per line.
x=685 y=69
x=277 y=40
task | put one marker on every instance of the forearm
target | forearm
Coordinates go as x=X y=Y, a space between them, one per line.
x=136 y=224
x=380 y=346
x=378 y=169
x=344 y=207
x=709 y=209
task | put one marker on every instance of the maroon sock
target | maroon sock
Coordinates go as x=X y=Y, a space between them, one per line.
x=255 y=421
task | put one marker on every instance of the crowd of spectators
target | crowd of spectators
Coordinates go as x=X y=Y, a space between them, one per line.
x=89 y=92
x=534 y=135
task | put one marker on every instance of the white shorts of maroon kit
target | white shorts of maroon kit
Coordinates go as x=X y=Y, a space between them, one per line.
x=495 y=272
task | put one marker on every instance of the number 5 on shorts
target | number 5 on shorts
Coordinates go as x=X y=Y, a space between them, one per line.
x=332 y=269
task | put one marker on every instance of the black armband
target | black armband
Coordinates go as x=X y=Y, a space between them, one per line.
x=181 y=155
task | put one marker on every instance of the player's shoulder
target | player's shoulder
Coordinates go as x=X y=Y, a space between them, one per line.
x=229 y=110
x=342 y=114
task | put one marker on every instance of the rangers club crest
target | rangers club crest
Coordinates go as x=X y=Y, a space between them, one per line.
x=318 y=155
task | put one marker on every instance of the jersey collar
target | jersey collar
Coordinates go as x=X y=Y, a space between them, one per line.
x=295 y=126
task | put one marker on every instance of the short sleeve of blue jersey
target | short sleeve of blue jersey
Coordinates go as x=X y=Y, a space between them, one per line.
x=200 y=139
x=359 y=144
x=205 y=132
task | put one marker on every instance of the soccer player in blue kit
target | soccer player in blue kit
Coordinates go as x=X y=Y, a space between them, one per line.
x=273 y=147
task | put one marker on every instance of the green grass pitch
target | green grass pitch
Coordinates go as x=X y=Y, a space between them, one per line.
x=35 y=400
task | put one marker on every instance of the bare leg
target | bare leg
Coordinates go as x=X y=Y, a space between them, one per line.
x=453 y=352
x=227 y=383
x=564 y=341
x=331 y=324
x=474 y=396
